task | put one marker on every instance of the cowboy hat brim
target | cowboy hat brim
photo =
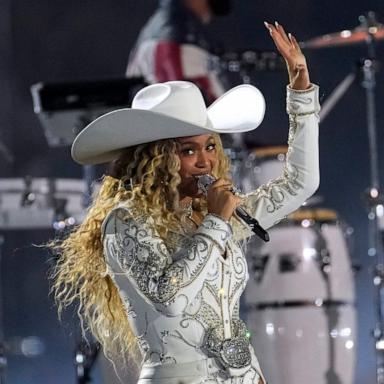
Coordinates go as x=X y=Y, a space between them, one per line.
x=241 y=109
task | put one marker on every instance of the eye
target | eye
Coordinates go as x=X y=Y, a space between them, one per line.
x=187 y=151
x=211 y=147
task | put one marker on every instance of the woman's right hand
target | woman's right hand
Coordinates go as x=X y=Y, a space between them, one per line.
x=220 y=200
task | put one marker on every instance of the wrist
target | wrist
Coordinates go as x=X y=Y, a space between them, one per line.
x=299 y=79
x=300 y=84
x=225 y=219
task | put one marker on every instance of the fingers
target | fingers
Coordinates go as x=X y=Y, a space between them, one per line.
x=221 y=184
x=221 y=200
x=271 y=29
x=290 y=49
x=282 y=33
x=279 y=35
x=294 y=42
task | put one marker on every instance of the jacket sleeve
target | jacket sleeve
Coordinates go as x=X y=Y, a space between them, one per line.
x=271 y=202
x=167 y=282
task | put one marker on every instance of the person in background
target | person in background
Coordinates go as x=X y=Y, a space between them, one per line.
x=173 y=46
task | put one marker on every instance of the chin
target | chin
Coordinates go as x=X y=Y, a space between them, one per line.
x=196 y=195
x=190 y=189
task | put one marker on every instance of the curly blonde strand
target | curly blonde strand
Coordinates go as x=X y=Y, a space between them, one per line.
x=81 y=274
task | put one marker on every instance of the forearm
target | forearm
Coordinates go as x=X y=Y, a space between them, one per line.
x=300 y=177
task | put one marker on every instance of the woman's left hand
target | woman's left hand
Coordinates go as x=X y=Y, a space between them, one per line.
x=289 y=48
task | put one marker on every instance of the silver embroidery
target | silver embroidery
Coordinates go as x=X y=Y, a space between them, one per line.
x=127 y=304
x=148 y=261
x=275 y=191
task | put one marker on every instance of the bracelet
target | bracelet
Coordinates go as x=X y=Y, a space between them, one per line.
x=301 y=91
x=219 y=217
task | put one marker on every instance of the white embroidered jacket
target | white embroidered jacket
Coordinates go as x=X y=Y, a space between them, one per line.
x=174 y=299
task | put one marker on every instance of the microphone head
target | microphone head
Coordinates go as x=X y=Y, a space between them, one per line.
x=204 y=181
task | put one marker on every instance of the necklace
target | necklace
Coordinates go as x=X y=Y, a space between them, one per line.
x=188 y=209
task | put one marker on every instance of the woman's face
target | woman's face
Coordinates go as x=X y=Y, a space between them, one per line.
x=198 y=156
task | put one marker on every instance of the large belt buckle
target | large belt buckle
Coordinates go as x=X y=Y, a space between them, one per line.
x=233 y=352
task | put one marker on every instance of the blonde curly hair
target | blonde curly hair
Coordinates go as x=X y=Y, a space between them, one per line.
x=80 y=274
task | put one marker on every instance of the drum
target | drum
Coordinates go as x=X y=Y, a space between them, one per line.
x=300 y=301
x=37 y=203
x=307 y=250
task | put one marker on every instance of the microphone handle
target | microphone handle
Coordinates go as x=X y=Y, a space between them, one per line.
x=252 y=223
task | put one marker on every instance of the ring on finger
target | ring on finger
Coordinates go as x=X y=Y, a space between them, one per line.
x=235 y=191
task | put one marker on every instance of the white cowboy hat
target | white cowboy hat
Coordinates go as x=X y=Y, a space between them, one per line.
x=164 y=111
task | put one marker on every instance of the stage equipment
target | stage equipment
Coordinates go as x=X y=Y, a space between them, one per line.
x=85 y=357
x=3 y=357
x=37 y=203
x=30 y=204
x=360 y=35
x=369 y=32
x=41 y=203
x=247 y=62
x=300 y=298
x=300 y=295
x=64 y=109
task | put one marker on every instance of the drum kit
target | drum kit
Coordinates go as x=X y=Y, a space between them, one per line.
x=300 y=299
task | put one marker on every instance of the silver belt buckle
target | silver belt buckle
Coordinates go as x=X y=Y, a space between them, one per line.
x=233 y=352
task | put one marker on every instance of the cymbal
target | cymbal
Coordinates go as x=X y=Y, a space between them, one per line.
x=346 y=37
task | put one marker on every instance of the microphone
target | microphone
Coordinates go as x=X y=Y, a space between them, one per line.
x=203 y=183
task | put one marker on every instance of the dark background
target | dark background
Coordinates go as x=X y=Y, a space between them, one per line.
x=78 y=40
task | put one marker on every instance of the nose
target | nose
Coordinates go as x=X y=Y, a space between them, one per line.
x=202 y=160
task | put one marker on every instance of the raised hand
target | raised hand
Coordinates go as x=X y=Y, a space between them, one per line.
x=289 y=48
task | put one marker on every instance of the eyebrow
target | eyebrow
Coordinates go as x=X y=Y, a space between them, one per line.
x=193 y=142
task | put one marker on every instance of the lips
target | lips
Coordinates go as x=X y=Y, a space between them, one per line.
x=201 y=174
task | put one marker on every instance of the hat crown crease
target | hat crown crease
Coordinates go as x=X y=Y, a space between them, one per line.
x=174 y=99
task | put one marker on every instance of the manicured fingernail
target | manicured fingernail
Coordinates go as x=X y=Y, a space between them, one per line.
x=277 y=24
x=290 y=36
x=268 y=27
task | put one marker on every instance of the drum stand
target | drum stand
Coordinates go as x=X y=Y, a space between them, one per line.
x=330 y=307
x=85 y=356
x=375 y=203
x=86 y=352
x=374 y=196
x=3 y=358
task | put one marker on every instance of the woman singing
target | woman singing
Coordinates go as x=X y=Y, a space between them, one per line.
x=157 y=266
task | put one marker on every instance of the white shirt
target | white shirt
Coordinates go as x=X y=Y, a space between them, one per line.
x=183 y=306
